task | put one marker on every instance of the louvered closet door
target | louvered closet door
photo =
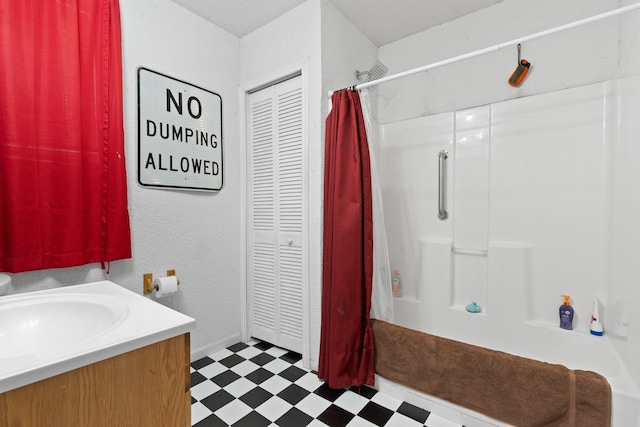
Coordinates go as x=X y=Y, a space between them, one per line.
x=274 y=136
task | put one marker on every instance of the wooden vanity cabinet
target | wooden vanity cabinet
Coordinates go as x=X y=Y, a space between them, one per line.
x=145 y=387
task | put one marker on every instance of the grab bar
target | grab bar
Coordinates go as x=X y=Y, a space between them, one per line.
x=442 y=212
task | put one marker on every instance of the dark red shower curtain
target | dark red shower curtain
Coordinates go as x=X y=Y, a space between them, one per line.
x=63 y=193
x=346 y=343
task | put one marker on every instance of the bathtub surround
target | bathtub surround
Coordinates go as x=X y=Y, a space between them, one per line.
x=530 y=209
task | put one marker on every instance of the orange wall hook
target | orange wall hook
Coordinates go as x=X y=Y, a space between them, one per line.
x=520 y=72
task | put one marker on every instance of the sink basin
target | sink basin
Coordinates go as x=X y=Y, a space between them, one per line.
x=50 y=332
x=54 y=323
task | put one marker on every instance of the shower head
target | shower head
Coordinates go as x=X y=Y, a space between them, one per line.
x=377 y=71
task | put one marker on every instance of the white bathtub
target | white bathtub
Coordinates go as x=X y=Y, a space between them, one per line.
x=546 y=342
x=580 y=350
x=507 y=323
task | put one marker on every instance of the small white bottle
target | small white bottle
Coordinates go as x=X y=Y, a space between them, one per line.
x=396 y=284
x=596 y=326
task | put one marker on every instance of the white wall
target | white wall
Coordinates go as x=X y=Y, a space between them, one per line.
x=344 y=50
x=572 y=58
x=317 y=33
x=291 y=42
x=195 y=233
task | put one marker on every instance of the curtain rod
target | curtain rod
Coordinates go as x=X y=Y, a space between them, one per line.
x=499 y=46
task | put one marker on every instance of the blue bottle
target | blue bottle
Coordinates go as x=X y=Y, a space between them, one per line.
x=566 y=313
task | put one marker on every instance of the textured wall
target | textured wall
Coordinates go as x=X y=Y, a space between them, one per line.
x=571 y=58
x=195 y=233
x=290 y=41
x=334 y=50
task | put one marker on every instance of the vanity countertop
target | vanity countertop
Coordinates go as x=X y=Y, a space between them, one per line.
x=46 y=333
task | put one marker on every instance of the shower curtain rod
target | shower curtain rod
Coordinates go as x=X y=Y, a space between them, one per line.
x=499 y=46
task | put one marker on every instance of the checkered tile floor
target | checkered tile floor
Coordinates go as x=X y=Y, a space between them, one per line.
x=257 y=384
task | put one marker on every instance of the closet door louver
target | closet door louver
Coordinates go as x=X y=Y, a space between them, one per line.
x=261 y=266
x=275 y=204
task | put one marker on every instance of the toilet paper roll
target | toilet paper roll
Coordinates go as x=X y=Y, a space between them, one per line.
x=166 y=285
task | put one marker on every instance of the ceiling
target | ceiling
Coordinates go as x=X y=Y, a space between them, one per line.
x=382 y=21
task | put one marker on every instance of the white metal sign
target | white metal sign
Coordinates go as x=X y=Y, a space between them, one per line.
x=179 y=134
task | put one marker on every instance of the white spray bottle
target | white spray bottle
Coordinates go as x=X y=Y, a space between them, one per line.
x=596 y=326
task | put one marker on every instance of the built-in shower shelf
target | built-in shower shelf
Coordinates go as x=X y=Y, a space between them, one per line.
x=407 y=298
x=463 y=308
x=555 y=326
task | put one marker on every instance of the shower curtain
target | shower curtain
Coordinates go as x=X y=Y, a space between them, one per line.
x=346 y=343
x=381 y=296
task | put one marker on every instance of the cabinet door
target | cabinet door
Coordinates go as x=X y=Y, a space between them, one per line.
x=275 y=213
x=149 y=386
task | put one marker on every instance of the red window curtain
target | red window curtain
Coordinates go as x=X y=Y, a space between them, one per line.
x=346 y=342
x=63 y=195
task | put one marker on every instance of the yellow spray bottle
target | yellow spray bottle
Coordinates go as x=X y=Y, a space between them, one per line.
x=566 y=313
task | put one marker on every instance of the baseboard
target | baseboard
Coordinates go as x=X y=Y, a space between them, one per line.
x=215 y=347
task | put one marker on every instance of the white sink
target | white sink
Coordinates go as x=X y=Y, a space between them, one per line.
x=53 y=323
x=46 y=333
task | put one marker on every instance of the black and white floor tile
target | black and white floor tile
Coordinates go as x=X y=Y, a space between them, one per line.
x=260 y=385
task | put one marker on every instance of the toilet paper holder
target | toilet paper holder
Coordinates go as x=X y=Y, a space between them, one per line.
x=148 y=286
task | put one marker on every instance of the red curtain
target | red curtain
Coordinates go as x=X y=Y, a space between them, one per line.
x=63 y=195
x=346 y=342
